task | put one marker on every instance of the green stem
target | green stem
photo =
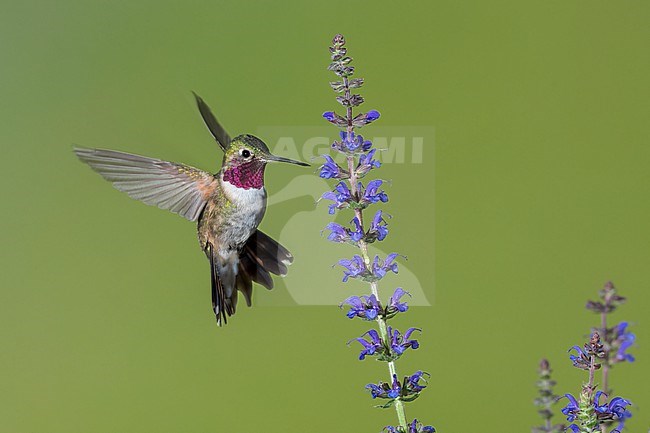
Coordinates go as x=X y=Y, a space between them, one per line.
x=381 y=322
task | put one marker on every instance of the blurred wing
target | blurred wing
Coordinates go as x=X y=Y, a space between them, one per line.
x=176 y=187
x=211 y=122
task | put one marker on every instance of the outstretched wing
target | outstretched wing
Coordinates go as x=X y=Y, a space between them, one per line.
x=217 y=131
x=176 y=187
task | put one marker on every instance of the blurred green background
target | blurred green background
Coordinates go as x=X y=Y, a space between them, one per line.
x=533 y=194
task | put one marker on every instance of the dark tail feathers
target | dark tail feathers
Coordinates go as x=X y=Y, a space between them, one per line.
x=260 y=257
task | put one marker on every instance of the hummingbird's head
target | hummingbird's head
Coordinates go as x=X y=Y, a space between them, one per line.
x=245 y=160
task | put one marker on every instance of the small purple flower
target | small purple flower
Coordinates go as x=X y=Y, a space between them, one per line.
x=334 y=118
x=341 y=196
x=399 y=343
x=343 y=234
x=396 y=388
x=372 y=193
x=385 y=390
x=331 y=170
x=623 y=340
x=378 y=230
x=363 y=119
x=365 y=307
x=571 y=409
x=354 y=267
x=381 y=268
x=394 y=304
x=372 y=115
x=367 y=163
x=616 y=409
x=372 y=346
x=351 y=142
x=358 y=233
x=412 y=383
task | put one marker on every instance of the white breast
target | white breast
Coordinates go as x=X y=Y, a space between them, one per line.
x=251 y=200
x=250 y=205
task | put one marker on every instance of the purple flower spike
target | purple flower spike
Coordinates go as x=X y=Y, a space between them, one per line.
x=354 y=194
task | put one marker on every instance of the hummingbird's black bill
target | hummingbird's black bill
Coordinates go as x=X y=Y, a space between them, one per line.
x=273 y=158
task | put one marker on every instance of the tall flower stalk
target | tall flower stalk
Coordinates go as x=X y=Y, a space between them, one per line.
x=592 y=412
x=384 y=342
x=546 y=400
x=616 y=339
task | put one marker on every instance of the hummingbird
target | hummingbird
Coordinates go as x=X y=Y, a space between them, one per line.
x=228 y=206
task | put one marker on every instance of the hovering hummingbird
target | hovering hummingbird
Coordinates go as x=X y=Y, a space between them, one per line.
x=228 y=206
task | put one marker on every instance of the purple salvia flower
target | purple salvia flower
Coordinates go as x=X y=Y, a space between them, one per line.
x=623 y=340
x=341 y=196
x=372 y=115
x=358 y=233
x=394 y=303
x=334 y=118
x=344 y=234
x=385 y=390
x=616 y=409
x=378 y=229
x=363 y=119
x=372 y=193
x=365 y=307
x=381 y=268
x=396 y=388
x=412 y=383
x=367 y=163
x=331 y=170
x=372 y=346
x=354 y=268
x=399 y=343
x=572 y=408
x=338 y=233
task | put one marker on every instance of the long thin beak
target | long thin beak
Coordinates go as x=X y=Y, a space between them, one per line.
x=273 y=158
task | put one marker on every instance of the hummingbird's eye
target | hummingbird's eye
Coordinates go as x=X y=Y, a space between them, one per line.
x=245 y=153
